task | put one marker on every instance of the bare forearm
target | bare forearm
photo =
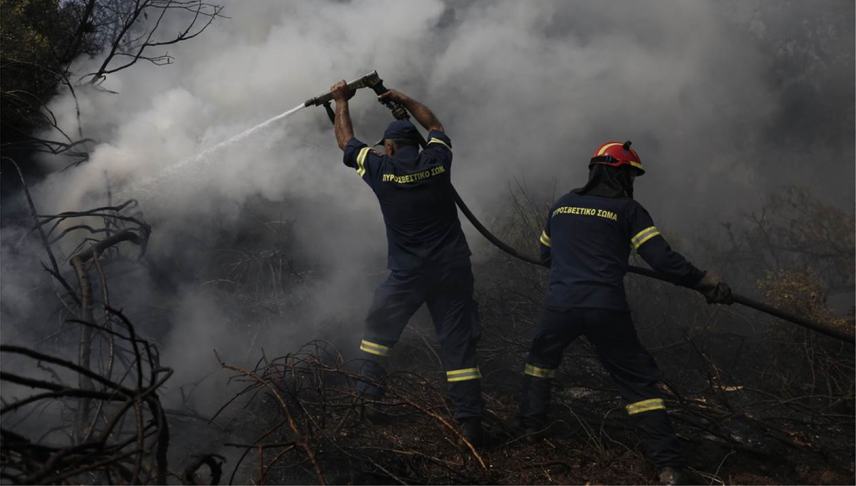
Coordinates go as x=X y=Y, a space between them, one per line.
x=342 y=124
x=422 y=114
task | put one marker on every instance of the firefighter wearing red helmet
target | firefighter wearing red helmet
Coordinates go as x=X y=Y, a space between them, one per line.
x=617 y=154
x=587 y=240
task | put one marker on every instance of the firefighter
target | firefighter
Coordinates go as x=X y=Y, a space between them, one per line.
x=428 y=255
x=587 y=240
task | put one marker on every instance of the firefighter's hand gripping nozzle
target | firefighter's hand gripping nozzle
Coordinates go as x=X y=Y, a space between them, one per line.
x=370 y=80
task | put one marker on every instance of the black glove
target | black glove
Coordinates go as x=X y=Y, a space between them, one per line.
x=714 y=290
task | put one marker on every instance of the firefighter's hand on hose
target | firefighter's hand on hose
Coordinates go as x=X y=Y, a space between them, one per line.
x=341 y=92
x=714 y=290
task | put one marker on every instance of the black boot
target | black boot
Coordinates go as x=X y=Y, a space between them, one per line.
x=534 y=396
x=534 y=404
x=371 y=382
x=676 y=475
x=471 y=429
x=533 y=427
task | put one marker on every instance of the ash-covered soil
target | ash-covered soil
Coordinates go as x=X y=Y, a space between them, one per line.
x=741 y=397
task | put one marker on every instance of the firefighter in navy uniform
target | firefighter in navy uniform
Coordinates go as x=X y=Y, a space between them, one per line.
x=428 y=255
x=587 y=240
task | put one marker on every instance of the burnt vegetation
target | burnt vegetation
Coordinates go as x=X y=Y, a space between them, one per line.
x=754 y=399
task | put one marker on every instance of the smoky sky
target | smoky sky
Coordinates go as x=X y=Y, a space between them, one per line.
x=725 y=102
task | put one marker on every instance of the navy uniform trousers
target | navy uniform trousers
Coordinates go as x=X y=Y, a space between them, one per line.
x=447 y=289
x=632 y=368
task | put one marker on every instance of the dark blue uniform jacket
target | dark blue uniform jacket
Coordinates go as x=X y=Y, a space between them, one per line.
x=415 y=194
x=588 y=239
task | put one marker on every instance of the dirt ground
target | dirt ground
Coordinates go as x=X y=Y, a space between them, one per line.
x=735 y=425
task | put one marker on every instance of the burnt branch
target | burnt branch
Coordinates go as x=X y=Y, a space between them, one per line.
x=323 y=424
x=113 y=450
x=135 y=35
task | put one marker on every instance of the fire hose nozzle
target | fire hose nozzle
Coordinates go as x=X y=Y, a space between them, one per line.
x=370 y=80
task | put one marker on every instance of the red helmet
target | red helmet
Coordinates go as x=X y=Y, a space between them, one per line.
x=616 y=154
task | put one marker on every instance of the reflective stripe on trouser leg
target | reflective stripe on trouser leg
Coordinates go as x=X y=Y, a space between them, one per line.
x=374 y=348
x=636 y=374
x=465 y=392
x=535 y=395
x=539 y=372
x=456 y=320
x=463 y=375
x=643 y=406
x=555 y=331
x=659 y=441
x=394 y=302
x=372 y=370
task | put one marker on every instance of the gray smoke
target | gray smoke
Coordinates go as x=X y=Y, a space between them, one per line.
x=724 y=101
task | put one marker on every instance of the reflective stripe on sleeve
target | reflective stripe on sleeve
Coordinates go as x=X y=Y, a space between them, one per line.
x=537 y=372
x=463 y=375
x=437 y=140
x=545 y=239
x=361 y=160
x=374 y=348
x=643 y=236
x=646 y=406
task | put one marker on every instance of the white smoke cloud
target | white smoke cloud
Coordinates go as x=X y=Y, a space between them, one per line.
x=526 y=90
x=523 y=89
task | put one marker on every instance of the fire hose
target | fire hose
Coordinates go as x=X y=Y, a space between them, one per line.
x=373 y=81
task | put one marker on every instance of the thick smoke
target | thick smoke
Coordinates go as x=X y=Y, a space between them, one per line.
x=725 y=101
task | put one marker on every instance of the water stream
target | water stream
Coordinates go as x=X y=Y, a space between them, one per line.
x=146 y=187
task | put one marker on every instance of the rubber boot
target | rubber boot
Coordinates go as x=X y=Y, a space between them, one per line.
x=675 y=475
x=471 y=428
x=534 y=403
x=370 y=385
